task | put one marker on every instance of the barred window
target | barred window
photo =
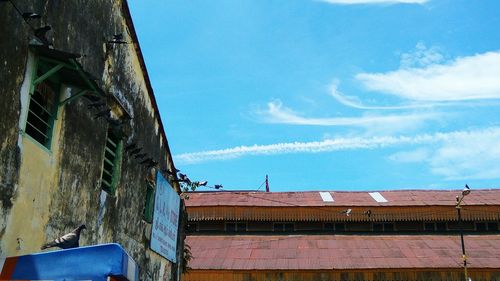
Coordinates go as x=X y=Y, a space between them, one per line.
x=149 y=204
x=41 y=113
x=111 y=163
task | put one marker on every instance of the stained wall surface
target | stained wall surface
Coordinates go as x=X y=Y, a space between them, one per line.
x=46 y=192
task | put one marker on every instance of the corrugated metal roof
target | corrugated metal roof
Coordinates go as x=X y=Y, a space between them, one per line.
x=327 y=252
x=342 y=198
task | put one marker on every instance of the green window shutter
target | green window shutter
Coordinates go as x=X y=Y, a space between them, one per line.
x=43 y=103
x=111 y=165
x=149 y=204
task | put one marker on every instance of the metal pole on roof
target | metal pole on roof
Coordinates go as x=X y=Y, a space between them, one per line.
x=267 y=184
x=465 y=192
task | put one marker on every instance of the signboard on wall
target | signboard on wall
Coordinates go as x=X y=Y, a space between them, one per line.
x=165 y=220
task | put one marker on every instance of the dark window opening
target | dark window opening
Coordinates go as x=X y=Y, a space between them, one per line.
x=441 y=226
x=481 y=226
x=241 y=226
x=230 y=227
x=429 y=226
x=339 y=227
x=191 y=227
x=289 y=227
x=378 y=227
x=282 y=227
x=236 y=227
x=41 y=113
x=328 y=227
x=278 y=227
x=493 y=226
x=388 y=227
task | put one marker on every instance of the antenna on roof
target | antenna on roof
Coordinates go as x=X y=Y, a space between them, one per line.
x=267 y=184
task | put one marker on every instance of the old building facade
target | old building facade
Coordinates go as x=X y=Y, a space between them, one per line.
x=387 y=235
x=81 y=137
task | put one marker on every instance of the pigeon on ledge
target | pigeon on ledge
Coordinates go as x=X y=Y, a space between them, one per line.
x=66 y=241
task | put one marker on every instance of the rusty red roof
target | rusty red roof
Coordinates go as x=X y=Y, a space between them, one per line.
x=343 y=198
x=327 y=252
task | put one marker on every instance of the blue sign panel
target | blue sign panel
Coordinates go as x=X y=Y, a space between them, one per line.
x=165 y=220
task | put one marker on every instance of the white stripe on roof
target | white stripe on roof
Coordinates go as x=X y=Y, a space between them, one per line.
x=326 y=196
x=378 y=197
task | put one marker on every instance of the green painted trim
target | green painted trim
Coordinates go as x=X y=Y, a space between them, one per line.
x=77 y=95
x=110 y=187
x=49 y=60
x=41 y=146
x=83 y=75
x=47 y=74
x=149 y=204
x=54 y=110
x=73 y=65
x=33 y=77
x=117 y=166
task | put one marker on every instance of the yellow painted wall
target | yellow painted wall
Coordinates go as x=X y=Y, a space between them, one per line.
x=25 y=232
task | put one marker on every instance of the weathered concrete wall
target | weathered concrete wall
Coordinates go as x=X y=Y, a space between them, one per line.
x=45 y=193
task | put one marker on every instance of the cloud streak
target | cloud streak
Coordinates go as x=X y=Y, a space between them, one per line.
x=296 y=147
x=464 y=79
x=454 y=147
x=358 y=2
x=278 y=114
x=354 y=102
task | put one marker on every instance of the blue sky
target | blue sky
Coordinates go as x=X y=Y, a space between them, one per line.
x=328 y=95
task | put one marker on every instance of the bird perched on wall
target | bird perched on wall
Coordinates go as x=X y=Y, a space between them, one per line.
x=69 y=240
x=130 y=146
x=152 y=164
x=346 y=212
x=146 y=161
x=368 y=213
x=41 y=33
x=105 y=113
x=135 y=151
x=140 y=155
x=31 y=16
x=97 y=104
x=117 y=39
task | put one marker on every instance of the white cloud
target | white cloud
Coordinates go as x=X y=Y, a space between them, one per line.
x=356 y=2
x=279 y=114
x=459 y=155
x=468 y=155
x=421 y=56
x=472 y=154
x=413 y=156
x=466 y=78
